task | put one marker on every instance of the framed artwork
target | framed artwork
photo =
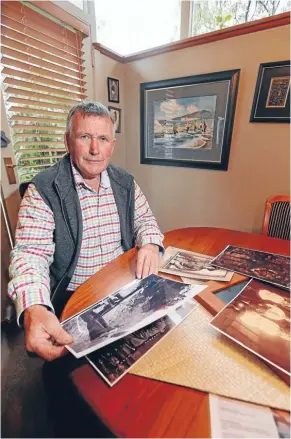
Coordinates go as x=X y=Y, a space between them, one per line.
x=188 y=121
x=272 y=94
x=116 y=114
x=113 y=89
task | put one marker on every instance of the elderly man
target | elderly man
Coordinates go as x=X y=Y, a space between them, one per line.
x=75 y=217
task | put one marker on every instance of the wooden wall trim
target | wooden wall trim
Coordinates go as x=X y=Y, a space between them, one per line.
x=233 y=31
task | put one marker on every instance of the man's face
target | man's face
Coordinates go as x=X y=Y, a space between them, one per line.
x=90 y=143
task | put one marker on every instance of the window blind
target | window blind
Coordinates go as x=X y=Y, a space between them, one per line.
x=43 y=76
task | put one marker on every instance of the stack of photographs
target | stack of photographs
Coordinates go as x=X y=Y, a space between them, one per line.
x=134 y=306
x=190 y=265
x=258 y=318
x=267 y=267
x=114 y=361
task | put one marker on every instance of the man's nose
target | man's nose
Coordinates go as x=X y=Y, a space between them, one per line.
x=94 y=146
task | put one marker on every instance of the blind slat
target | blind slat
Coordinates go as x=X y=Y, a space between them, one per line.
x=21 y=92
x=19 y=126
x=37 y=119
x=35 y=111
x=33 y=42
x=37 y=103
x=35 y=78
x=30 y=59
x=25 y=15
x=42 y=88
x=40 y=36
x=12 y=44
x=43 y=77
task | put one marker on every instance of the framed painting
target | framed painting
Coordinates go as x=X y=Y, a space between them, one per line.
x=272 y=94
x=113 y=90
x=116 y=114
x=188 y=121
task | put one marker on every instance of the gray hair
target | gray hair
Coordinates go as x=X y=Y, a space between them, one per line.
x=89 y=108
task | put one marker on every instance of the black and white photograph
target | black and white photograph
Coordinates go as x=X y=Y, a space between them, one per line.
x=113 y=90
x=116 y=114
x=192 y=265
x=188 y=121
x=264 y=266
x=132 y=307
x=114 y=361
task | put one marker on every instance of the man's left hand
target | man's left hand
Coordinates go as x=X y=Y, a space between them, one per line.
x=148 y=260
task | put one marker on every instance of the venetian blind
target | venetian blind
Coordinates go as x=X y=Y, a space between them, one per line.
x=43 y=77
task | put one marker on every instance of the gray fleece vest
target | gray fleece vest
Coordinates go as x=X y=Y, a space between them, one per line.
x=56 y=186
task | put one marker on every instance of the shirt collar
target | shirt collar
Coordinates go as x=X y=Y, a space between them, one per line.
x=79 y=180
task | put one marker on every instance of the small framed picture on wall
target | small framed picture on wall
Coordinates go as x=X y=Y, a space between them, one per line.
x=116 y=115
x=272 y=95
x=113 y=89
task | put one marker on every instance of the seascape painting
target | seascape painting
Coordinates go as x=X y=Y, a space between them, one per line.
x=188 y=121
x=183 y=125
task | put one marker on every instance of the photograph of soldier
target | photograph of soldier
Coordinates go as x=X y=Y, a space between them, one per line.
x=114 y=361
x=132 y=307
x=253 y=263
x=258 y=318
x=192 y=265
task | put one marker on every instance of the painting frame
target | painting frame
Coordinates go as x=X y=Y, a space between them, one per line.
x=118 y=119
x=228 y=79
x=271 y=74
x=113 y=89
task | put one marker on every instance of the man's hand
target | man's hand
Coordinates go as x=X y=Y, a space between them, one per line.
x=148 y=260
x=44 y=334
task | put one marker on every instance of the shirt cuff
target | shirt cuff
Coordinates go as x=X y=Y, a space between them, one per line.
x=21 y=305
x=153 y=240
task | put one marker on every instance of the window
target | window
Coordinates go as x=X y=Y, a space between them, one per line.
x=211 y=15
x=43 y=76
x=129 y=26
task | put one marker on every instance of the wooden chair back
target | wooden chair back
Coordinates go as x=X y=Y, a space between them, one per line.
x=277 y=217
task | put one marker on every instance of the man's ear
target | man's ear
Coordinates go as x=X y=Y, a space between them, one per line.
x=67 y=141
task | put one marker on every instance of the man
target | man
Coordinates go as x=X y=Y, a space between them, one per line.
x=76 y=217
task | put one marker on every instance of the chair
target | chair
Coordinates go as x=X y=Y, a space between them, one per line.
x=277 y=217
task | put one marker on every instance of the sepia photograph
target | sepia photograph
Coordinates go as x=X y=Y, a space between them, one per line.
x=258 y=319
x=132 y=307
x=116 y=114
x=264 y=266
x=113 y=90
x=114 y=361
x=192 y=265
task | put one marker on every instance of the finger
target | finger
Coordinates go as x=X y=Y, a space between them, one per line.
x=59 y=334
x=48 y=351
x=146 y=267
x=139 y=264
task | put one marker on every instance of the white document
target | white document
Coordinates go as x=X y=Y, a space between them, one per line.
x=237 y=419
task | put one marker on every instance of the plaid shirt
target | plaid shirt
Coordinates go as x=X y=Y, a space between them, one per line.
x=101 y=241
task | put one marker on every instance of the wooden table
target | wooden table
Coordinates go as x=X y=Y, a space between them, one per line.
x=141 y=407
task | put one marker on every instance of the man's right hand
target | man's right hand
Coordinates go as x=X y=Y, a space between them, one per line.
x=44 y=334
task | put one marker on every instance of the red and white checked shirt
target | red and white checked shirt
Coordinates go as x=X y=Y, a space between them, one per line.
x=101 y=242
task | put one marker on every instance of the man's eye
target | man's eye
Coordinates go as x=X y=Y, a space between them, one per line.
x=103 y=139
x=85 y=136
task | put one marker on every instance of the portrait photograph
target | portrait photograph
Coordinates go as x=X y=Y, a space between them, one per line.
x=130 y=308
x=258 y=318
x=114 y=361
x=192 y=265
x=272 y=94
x=267 y=267
x=188 y=121
x=113 y=89
x=116 y=114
